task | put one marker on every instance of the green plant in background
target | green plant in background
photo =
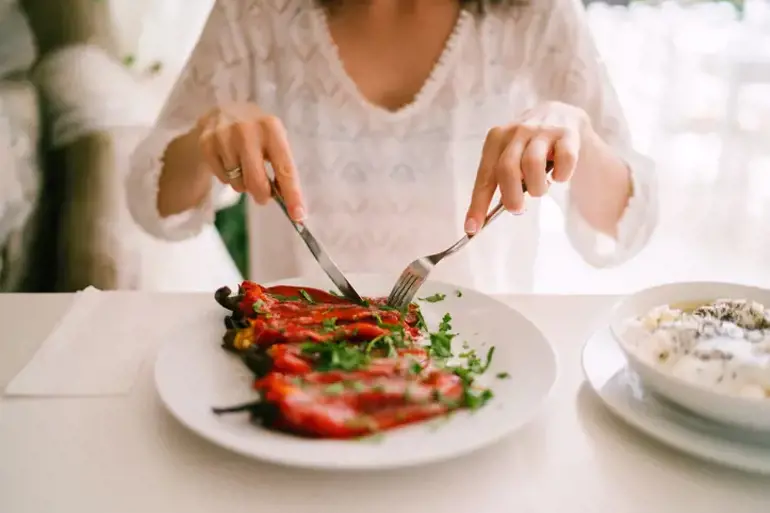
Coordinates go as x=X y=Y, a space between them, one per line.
x=231 y=223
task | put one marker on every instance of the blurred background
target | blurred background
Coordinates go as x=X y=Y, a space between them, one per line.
x=81 y=80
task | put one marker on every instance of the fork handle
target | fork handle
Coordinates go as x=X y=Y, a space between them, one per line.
x=491 y=216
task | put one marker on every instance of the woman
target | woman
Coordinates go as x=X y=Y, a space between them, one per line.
x=390 y=124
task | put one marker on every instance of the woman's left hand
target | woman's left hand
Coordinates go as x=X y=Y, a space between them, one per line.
x=516 y=154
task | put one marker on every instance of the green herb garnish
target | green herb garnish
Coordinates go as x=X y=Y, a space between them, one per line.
x=281 y=297
x=502 y=375
x=306 y=296
x=421 y=324
x=329 y=324
x=445 y=324
x=334 y=389
x=475 y=399
x=476 y=365
x=441 y=341
x=357 y=386
x=435 y=298
x=441 y=344
x=336 y=356
x=386 y=342
x=459 y=293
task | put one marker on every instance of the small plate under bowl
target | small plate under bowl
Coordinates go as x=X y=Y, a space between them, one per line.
x=745 y=412
x=621 y=390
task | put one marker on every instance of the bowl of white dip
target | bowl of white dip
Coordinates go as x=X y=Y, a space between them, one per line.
x=702 y=345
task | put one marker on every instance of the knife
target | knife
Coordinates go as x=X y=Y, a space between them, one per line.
x=318 y=251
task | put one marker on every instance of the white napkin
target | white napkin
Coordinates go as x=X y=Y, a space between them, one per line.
x=97 y=348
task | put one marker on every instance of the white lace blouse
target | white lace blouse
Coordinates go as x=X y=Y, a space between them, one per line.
x=382 y=187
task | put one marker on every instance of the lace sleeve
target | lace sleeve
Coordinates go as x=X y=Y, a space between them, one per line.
x=576 y=75
x=219 y=70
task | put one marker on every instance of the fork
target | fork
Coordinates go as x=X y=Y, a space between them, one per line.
x=415 y=274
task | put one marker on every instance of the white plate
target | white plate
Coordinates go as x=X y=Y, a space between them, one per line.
x=745 y=412
x=606 y=370
x=193 y=374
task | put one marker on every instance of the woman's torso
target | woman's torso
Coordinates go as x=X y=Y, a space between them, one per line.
x=382 y=187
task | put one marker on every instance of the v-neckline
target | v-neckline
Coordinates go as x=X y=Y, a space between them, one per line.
x=427 y=90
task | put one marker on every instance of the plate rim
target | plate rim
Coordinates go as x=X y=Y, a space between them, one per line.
x=538 y=406
x=682 y=440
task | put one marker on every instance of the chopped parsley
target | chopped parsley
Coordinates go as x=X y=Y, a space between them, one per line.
x=356 y=385
x=329 y=324
x=336 y=356
x=441 y=344
x=385 y=342
x=476 y=365
x=475 y=399
x=440 y=349
x=435 y=298
x=306 y=296
x=459 y=293
x=281 y=297
x=334 y=389
x=421 y=324
x=502 y=375
x=445 y=324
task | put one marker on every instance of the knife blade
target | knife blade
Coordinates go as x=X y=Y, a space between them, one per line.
x=319 y=252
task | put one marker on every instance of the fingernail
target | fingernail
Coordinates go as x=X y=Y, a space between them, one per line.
x=298 y=213
x=471 y=226
x=517 y=212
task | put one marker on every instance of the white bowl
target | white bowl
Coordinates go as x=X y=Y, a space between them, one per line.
x=745 y=412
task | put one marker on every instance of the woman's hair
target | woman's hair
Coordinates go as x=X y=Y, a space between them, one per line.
x=475 y=5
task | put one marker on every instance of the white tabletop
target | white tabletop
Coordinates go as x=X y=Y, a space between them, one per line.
x=115 y=455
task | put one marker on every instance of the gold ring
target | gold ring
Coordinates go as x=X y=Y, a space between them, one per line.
x=234 y=173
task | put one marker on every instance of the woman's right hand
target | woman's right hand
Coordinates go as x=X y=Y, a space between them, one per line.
x=243 y=135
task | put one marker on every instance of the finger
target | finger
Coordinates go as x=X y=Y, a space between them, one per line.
x=252 y=162
x=256 y=179
x=278 y=152
x=510 y=175
x=533 y=165
x=208 y=150
x=227 y=152
x=486 y=181
x=565 y=157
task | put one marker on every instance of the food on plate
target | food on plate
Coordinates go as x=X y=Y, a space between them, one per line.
x=328 y=368
x=723 y=345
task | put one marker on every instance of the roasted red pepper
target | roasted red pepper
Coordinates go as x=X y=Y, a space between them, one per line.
x=356 y=404
x=332 y=369
x=286 y=314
